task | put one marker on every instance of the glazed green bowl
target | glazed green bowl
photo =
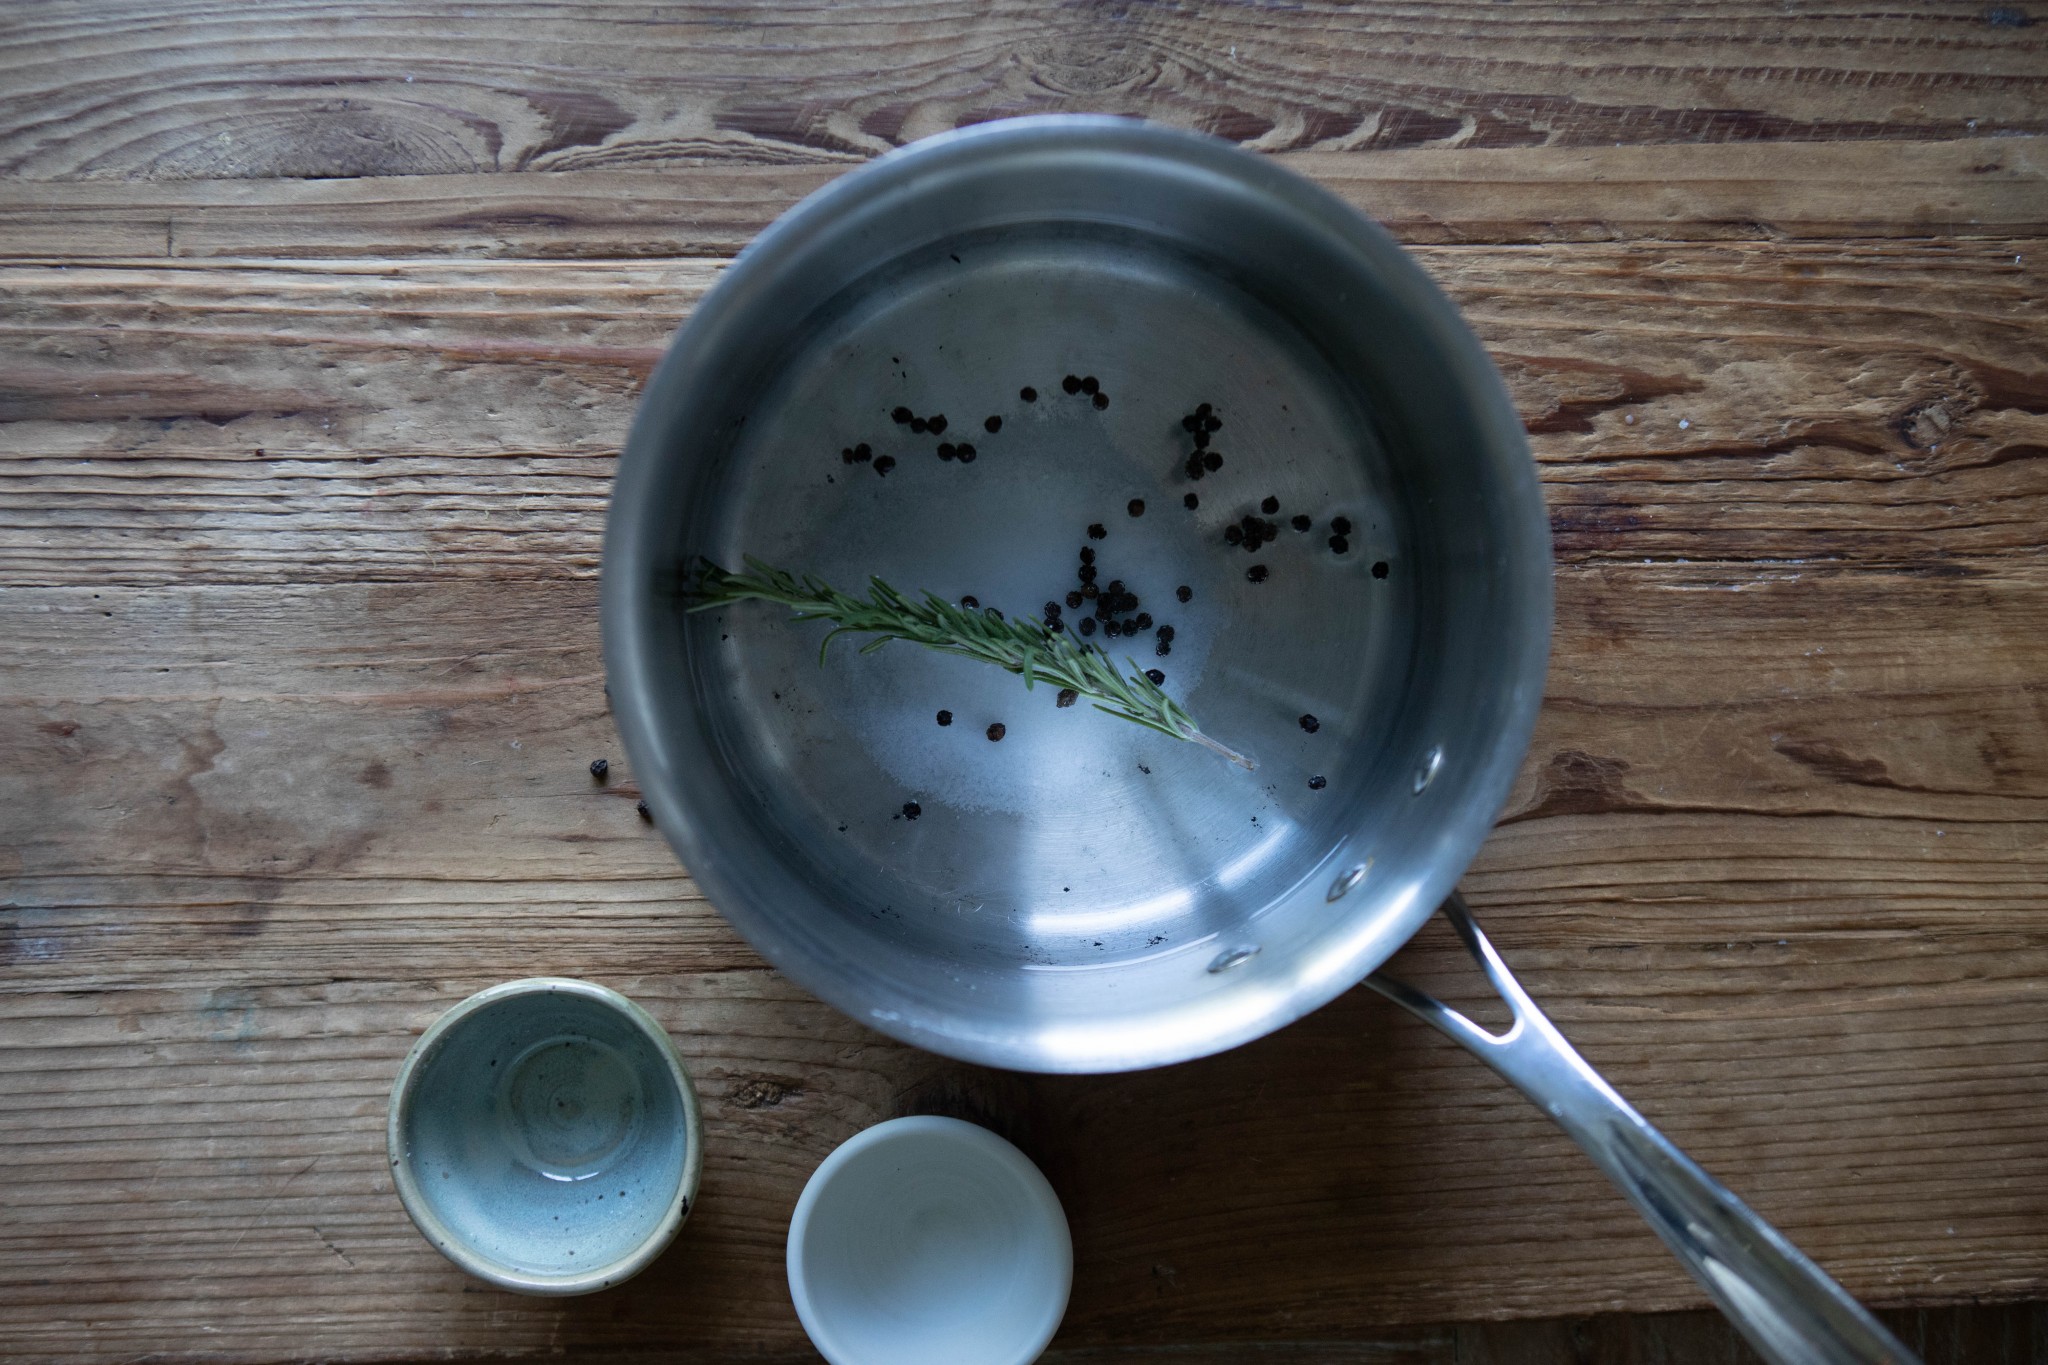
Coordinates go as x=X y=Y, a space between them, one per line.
x=544 y=1136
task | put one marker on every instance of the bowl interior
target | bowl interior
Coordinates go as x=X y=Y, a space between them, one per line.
x=546 y=1136
x=929 y=1241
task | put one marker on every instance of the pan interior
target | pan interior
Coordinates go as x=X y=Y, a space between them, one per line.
x=1079 y=843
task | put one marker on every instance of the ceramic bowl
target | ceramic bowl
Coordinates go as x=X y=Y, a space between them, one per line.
x=544 y=1136
x=928 y=1241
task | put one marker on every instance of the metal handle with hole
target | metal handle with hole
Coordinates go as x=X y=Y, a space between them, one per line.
x=1787 y=1307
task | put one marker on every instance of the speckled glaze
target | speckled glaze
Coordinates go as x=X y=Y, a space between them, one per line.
x=544 y=1136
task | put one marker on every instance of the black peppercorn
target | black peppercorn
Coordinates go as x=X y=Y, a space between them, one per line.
x=1379 y=569
x=1088 y=588
x=1074 y=599
x=1143 y=620
x=1213 y=423
x=1184 y=592
x=919 y=425
x=1233 y=535
x=945 y=717
x=1068 y=696
x=911 y=810
x=1191 y=502
x=1318 y=782
x=1301 y=522
x=1156 y=676
x=846 y=455
x=1072 y=383
x=937 y=423
x=1087 y=626
x=1195 y=470
x=1310 y=723
x=884 y=463
x=1189 y=422
x=966 y=453
x=1166 y=634
x=1115 y=587
x=947 y=450
x=996 y=731
x=900 y=416
x=1341 y=525
x=645 y=814
x=1053 y=625
x=1087 y=554
x=1028 y=394
x=1203 y=409
x=1087 y=573
x=1052 y=609
x=1212 y=461
x=1090 y=384
x=1270 y=505
x=1201 y=440
x=1165 y=648
x=1339 y=544
x=993 y=613
x=1136 y=507
x=1256 y=573
x=970 y=602
x=992 y=425
x=1101 y=401
x=1097 y=531
x=1112 y=629
x=599 y=767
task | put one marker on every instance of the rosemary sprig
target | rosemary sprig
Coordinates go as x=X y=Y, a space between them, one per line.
x=1022 y=647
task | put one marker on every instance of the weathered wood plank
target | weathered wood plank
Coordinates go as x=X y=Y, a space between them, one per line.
x=1770 y=191
x=195 y=90
x=1881 y=405
x=2003 y=1334
x=1832 y=697
x=255 y=1165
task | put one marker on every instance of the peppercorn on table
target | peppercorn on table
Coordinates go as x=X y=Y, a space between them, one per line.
x=323 y=326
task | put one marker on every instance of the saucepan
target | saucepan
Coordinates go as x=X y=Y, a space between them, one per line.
x=1155 y=395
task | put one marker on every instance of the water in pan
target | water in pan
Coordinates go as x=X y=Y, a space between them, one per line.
x=1078 y=838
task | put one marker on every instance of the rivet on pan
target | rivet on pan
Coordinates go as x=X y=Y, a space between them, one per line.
x=1236 y=957
x=1342 y=886
x=1432 y=762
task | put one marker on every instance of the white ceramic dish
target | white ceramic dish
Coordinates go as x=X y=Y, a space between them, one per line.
x=929 y=1241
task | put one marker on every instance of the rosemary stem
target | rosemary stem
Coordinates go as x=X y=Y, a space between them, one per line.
x=1021 y=647
x=1225 y=750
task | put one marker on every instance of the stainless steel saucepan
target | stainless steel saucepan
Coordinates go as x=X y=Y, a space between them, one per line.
x=1083 y=894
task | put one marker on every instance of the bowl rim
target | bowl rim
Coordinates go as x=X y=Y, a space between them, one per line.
x=992 y=1145
x=443 y=1238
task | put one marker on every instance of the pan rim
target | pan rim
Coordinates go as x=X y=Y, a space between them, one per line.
x=1171 y=1034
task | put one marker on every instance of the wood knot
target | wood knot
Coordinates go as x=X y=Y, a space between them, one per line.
x=763 y=1092
x=1926 y=425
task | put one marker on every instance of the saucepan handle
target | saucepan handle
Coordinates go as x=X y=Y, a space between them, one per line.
x=1787 y=1307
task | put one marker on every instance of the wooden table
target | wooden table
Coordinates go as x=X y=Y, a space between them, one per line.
x=323 y=325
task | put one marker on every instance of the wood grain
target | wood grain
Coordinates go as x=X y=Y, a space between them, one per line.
x=194 y=89
x=1803 y=971
x=1781 y=408
x=320 y=328
x=1744 y=191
